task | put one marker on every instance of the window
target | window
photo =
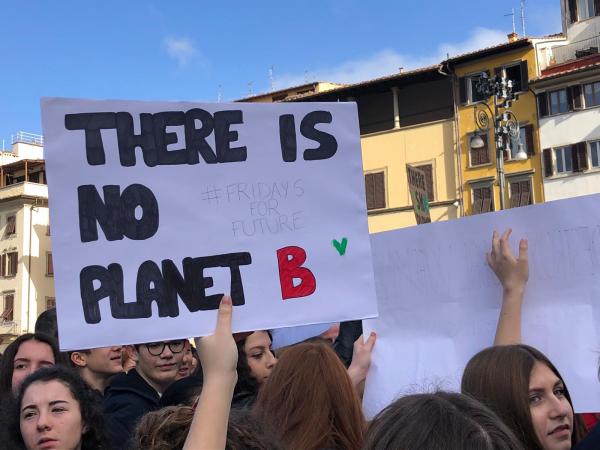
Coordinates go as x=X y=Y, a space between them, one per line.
x=564 y=159
x=481 y=155
x=50 y=302
x=591 y=93
x=520 y=193
x=517 y=73
x=524 y=139
x=375 y=190
x=8 y=263
x=9 y=304
x=474 y=94
x=559 y=102
x=428 y=170
x=585 y=9
x=49 y=265
x=482 y=199
x=595 y=153
x=11 y=225
x=468 y=89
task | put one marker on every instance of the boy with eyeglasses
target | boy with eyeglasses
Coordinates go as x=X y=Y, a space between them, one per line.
x=131 y=395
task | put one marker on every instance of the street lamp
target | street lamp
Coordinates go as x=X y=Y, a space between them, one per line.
x=506 y=125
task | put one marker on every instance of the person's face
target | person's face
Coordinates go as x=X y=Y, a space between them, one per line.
x=104 y=361
x=159 y=369
x=30 y=357
x=186 y=363
x=259 y=355
x=551 y=412
x=50 y=418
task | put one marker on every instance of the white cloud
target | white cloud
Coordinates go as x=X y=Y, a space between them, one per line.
x=387 y=62
x=180 y=49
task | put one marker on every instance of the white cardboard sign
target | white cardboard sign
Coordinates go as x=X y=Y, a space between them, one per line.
x=439 y=302
x=158 y=208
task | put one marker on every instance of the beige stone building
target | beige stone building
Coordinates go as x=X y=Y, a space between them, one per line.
x=26 y=271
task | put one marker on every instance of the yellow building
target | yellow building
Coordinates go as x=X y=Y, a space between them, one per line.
x=516 y=60
x=405 y=118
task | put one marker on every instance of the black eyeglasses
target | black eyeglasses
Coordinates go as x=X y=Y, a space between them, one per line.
x=156 y=348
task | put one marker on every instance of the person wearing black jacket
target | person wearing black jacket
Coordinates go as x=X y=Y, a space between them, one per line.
x=137 y=392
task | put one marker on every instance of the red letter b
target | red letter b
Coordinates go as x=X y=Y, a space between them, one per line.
x=290 y=260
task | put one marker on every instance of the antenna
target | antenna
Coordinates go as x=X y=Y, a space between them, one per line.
x=513 y=19
x=220 y=94
x=250 y=87
x=271 y=82
x=523 y=16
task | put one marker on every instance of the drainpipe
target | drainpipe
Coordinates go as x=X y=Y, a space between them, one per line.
x=454 y=79
x=31 y=207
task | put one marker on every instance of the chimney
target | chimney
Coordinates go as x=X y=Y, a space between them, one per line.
x=512 y=37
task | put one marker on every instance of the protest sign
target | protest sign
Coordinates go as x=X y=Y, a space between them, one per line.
x=158 y=208
x=439 y=302
x=418 y=193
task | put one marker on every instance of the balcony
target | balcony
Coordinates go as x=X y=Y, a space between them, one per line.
x=7 y=327
x=574 y=51
x=27 y=138
x=24 y=189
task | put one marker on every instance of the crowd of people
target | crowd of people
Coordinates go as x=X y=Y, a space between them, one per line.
x=232 y=391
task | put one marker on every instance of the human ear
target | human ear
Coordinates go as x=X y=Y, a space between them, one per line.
x=78 y=359
x=132 y=352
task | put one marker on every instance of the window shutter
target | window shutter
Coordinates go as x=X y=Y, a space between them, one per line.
x=515 y=194
x=572 y=11
x=428 y=169
x=542 y=104
x=487 y=200
x=547 y=157
x=462 y=89
x=524 y=76
x=576 y=97
x=3 y=264
x=525 y=197
x=529 y=140
x=485 y=153
x=477 y=200
x=370 y=190
x=580 y=162
x=379 y=190
x=569 y=99
x=49 y=264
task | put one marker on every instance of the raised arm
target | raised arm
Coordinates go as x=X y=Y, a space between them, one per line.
x=218 y=355
x=513 y=274
x=361 y=361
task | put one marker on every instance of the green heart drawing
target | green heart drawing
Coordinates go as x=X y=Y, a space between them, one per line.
x=341 y=248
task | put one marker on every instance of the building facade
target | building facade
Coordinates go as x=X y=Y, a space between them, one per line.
x=405 y=118
x=516 y=60
x=568 y=95
x=26 y=270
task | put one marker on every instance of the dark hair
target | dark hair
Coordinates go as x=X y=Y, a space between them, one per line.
x=441 y=420
x=499 y=378
x=167 y=429
x=46 y=323
x=182 y=392
x=309 y=400
x=246 y=386
x=95 y=437
x=198 y=369
x=7 y=363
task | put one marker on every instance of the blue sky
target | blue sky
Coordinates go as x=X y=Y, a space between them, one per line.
x=192 y=50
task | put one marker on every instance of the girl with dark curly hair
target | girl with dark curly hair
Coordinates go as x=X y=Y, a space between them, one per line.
x=56 y=409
